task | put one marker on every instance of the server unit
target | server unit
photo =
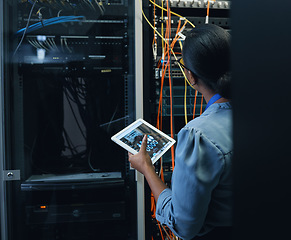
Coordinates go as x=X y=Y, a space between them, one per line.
x=68 y=70
x=172 y=101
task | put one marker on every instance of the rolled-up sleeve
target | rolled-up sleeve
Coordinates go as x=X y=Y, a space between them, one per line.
x=198 y=166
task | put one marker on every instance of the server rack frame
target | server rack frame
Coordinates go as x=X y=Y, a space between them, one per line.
x=4 y=223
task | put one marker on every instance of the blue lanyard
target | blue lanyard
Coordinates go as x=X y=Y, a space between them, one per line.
x=213 y=100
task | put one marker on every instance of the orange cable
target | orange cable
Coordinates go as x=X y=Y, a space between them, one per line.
x=208 y=6
x=161 y=94
x=159 y=118
x=172 y=45
x=153 y=206
x=162 y=171
x=165 y=68
x=170 y=84
x=159 y=63
x=162 y=235
x=176 y=35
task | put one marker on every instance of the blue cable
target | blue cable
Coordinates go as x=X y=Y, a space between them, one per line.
x=51 y=21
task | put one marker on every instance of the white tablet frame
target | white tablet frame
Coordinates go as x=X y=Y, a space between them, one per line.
x=129 y=129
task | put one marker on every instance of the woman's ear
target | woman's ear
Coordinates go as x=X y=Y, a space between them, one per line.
x=192 y=78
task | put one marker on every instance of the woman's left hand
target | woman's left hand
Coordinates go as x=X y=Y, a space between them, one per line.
x=141 y=161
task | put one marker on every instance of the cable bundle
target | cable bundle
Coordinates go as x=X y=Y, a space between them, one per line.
x=51 y=21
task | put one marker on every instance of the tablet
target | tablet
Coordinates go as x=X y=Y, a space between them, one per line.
x=130 y=138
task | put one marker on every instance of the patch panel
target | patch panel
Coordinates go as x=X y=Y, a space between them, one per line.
x=197 y=4
x=113 y=2
x=178 y=101
x=179 y=91
x=179 y=110
x=175 y=73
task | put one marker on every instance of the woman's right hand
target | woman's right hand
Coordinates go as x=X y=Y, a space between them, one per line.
x=141 y=161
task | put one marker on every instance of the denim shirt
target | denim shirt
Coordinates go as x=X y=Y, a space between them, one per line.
x=201 y=194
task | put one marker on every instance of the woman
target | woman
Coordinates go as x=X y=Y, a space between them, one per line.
x=199 y=205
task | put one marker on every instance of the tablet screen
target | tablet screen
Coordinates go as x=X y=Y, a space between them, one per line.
x=131 y=138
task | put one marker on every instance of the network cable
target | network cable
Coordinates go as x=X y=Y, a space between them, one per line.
x=48 y=22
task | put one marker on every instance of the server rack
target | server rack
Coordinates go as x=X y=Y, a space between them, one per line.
x=171 y=102
x=67 y=78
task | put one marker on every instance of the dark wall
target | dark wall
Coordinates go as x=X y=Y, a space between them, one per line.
x=261 y=50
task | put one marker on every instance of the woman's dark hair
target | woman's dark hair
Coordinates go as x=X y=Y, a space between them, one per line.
x=206 y=52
